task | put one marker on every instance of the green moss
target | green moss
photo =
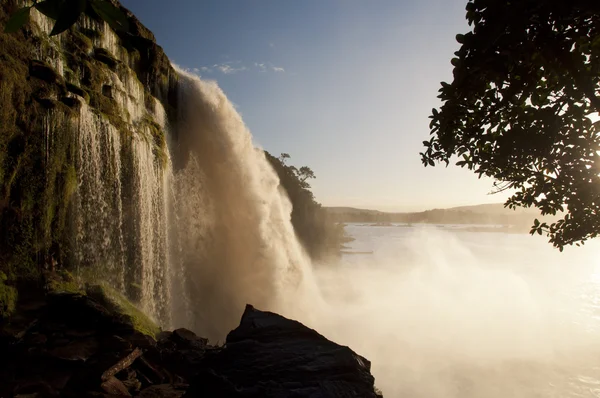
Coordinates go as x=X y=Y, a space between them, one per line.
x=106 y=58
x=79 y=41
x=8 y=297
x=91 y=33
x=62 y=281
x=112 y=298
x=73 y=88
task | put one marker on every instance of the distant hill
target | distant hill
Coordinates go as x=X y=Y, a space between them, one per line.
x=495 y=214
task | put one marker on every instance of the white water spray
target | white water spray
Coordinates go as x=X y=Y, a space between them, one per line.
x=237 y=244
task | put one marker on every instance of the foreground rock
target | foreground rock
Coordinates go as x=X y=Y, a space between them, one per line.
x=73 y=344
x=270 y=356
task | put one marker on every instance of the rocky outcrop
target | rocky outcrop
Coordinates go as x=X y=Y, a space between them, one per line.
x=72 y=345
x=270 y=356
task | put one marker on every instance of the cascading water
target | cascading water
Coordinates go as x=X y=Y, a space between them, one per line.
x=98 y=203
x=236 y=241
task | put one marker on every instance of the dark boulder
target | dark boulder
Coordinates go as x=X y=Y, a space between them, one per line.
x=269 y=356
x=185 y=338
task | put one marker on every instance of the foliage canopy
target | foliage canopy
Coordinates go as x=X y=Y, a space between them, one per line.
x=522 y=109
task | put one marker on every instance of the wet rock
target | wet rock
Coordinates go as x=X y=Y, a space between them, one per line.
x=43 y=71
x=71 y=102
x=138 y=339
x=115 y=343
x=130 y=381
x=78 y=333
x=33 y=387
x=185 y=338
x=105 y=57
x=37 y=339
x=76 y=90
x=163 y=391
x=78 y=350
x=47 y=103
x=107 y=91
x=269 y=356
x=115 y=386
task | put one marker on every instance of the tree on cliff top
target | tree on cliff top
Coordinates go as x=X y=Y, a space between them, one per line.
x=522 y=109
x=320 y=234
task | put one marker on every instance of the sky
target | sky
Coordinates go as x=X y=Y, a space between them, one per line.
x=344 y=86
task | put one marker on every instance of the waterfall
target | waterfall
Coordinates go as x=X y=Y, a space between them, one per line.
x=236 y=241
x=192 y=228
x=120 y=212
x=99 y=240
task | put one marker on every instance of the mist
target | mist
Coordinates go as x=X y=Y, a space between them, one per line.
x=441 y=314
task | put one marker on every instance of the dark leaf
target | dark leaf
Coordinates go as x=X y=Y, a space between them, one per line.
x=69 y=14
x=112 y=15
x=50 y=8
x=17 y=20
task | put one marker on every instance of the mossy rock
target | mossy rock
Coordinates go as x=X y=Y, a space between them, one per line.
x=62 y=281
x=72 y=102
x=72 y=88
x=8 y=297
x=116 y=302
x=106 y=58
x=43 y=71
x=79 y=41
x=91 y=33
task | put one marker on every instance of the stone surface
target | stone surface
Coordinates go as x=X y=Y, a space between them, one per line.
x=163 y=391
x=272 y=356
x=43 y=71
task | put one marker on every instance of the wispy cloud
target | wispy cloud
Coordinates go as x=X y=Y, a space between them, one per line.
x=233 y=67
x=228 y=69
x=260 y=66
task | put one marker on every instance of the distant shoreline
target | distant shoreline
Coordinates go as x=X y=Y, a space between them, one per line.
x=481 y=218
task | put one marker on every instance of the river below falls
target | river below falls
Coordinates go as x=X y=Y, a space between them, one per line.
x=442 y=312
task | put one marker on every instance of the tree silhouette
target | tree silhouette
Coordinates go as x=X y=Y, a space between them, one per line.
x=522 y=109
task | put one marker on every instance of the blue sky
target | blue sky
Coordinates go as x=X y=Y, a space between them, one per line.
x=344 y=86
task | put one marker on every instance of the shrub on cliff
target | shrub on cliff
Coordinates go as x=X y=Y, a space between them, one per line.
x=320 y=235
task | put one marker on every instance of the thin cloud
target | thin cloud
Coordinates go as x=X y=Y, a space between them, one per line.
x=230 y=68
x=260 y=67
x=227 y=69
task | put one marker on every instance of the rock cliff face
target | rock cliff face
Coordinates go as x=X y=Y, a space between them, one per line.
x=83 y=151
